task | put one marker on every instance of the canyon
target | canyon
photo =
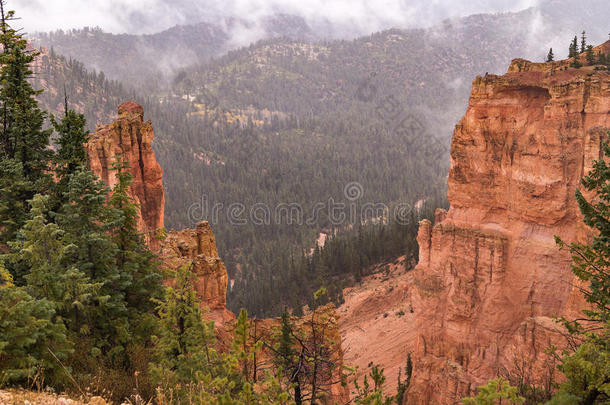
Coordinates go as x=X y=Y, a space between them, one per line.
x=490 y=281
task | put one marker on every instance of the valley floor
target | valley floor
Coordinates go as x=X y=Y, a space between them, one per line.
x=375 y=322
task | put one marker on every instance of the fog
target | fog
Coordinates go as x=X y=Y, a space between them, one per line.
x=347 y=18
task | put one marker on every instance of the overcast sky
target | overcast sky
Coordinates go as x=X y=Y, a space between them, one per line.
x=149 y=16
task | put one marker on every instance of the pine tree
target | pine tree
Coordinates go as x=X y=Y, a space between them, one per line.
x=591 y=261
x=139 y=278
x=590 y=55
x=576 y=62
x=24 y=152
x=71 y=153
x=494 y=392
x=587 y=370
x=573 y=48
x=186 y=343
x=583 y=42
x=85 y=219
x=550 y=57
x=21 y=130
x=29 y=337
x=42 y=250
x=15 y=190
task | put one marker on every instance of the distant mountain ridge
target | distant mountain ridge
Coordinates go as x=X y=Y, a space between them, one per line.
x=148 y=61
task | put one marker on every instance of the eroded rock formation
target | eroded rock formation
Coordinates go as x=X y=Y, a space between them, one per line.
x=490 y=277
x=131 y=138
x=196 y=248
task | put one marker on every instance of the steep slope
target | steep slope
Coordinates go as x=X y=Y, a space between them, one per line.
x=490 y=278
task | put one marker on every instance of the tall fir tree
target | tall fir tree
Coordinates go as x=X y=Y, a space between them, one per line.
x=43 y=252
x=139 y=275
x=587 y=370
x=186 y=345
x=71 y=153
x=24 y=143
x=583 y=42
x=550 y=57
x=573 y=48
x=86 y=220
x=590 y=55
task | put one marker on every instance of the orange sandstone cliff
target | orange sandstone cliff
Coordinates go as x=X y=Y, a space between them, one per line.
x=490 y=277
x=131 y=137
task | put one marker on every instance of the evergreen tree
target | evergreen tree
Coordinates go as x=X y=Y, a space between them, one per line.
x=185 y=352
x=550 y=57
x=24 y=151
x=29 y=337
x=15 y=190
x=587 y=370
x=85 y=219
x=71 y=153
x=590 y=262
x=590 y=55
x=576 y=62
x=139 y=278
x=583 y=42
x=495 y=392
x=573 y=48
x=43 y=251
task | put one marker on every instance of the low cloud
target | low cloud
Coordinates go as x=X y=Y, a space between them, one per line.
x=343 y=17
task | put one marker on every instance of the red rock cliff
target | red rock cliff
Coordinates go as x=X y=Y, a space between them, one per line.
x=131 y=137
x=196 y=248
x=490 y=277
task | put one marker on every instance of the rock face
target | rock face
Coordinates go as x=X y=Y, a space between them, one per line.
x=490 y=277
x=196 y=248
x=131 y=138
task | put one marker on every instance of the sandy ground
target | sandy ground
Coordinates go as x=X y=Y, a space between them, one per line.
x=375 y=323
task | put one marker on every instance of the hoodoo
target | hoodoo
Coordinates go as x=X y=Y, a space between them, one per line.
x=130 y=137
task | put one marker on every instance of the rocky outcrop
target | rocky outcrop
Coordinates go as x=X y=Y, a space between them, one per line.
x=130 y=137
x=196 y=248
x=490 y=277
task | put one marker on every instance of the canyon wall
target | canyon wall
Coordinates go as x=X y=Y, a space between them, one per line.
x=130 y=137
x=490 y=278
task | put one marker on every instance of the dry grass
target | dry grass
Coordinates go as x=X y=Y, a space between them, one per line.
x=23 y=397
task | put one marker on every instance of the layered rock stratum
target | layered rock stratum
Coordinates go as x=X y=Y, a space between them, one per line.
x=490 y=280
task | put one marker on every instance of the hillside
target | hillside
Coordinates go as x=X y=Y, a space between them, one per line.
x=147 y=61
